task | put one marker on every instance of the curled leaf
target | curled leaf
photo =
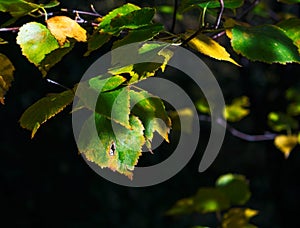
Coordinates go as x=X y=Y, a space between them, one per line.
x=62 y=27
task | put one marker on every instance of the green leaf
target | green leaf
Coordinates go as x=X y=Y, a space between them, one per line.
x=105 y=24
x=266 y=43
x=291 y=28
x=112 y=102
x=138 y=35
x=237 y=109
x=54 y=57
x=118 y=152
x=96 y=41
x=210 y=200
x=203 y=106
x=235 y=187
x=17 y=8
x=6 y=76
x=280 y=121
x=133 y=20
x=152 y=113
x=231 y=4
x=209 y=47
x=44 y=109
x=238 y=218
x=36 y=41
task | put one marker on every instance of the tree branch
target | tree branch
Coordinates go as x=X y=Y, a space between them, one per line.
x=239 y=134
x=174 y=15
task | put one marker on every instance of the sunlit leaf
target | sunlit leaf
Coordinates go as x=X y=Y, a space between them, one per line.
x=291 y=28
x=36 y=41
x=119 y=150
x=203 y=106
x=6 y=76
x=209 y=47
x=17 y=8
x=181 y=116
x=134 y=20
x=44 y=109
x=105 y=25
x=266 y=43
x=63 y=27
x=286 y=143
x=112 y=102
x=151 y=111
x=235 y=187
x=280 y=121
x=238 y=218
x=237 y=110
x=210 y=200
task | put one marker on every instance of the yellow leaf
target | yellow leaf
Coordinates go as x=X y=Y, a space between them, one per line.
x=62 y=27
x=286 y=143
x=208 y=46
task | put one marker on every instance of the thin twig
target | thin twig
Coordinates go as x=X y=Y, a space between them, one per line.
x=220 y=14
x=239 y=134
x=13 y=29
x=82 y=12
x=248 y=9
x=174 y=15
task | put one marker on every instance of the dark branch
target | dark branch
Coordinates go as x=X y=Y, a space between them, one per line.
x=239 y=134
x=174 y=15
x=220 y=14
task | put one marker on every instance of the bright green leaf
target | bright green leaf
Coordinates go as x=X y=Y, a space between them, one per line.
x=266 y=43
x=203 y=106
x=210 y=200
x=280 y=121
x=112 y=103
x=235 y=187
x=238 y=218
x=6 y=76
x=36 y=41
x=44 y=109
x=237 y=109
x=152 y=113
x=286 y=143
x=209 y=47
x=291 y=28
x=17 y=8
x=119 y=150
x=105 y=24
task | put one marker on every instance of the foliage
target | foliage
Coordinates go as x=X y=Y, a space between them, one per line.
x=45 y=39
x=230 y=191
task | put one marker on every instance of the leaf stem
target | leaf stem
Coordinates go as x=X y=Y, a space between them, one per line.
x=220 y=14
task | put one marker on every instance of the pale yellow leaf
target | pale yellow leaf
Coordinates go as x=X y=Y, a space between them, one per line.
x=286 y=143
x=209 y=47
x=62 y=27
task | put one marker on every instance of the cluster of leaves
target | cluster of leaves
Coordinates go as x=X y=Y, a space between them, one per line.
x=227 y=199
x=45 y=43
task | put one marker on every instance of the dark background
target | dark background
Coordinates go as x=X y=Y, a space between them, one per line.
x=46 y=183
